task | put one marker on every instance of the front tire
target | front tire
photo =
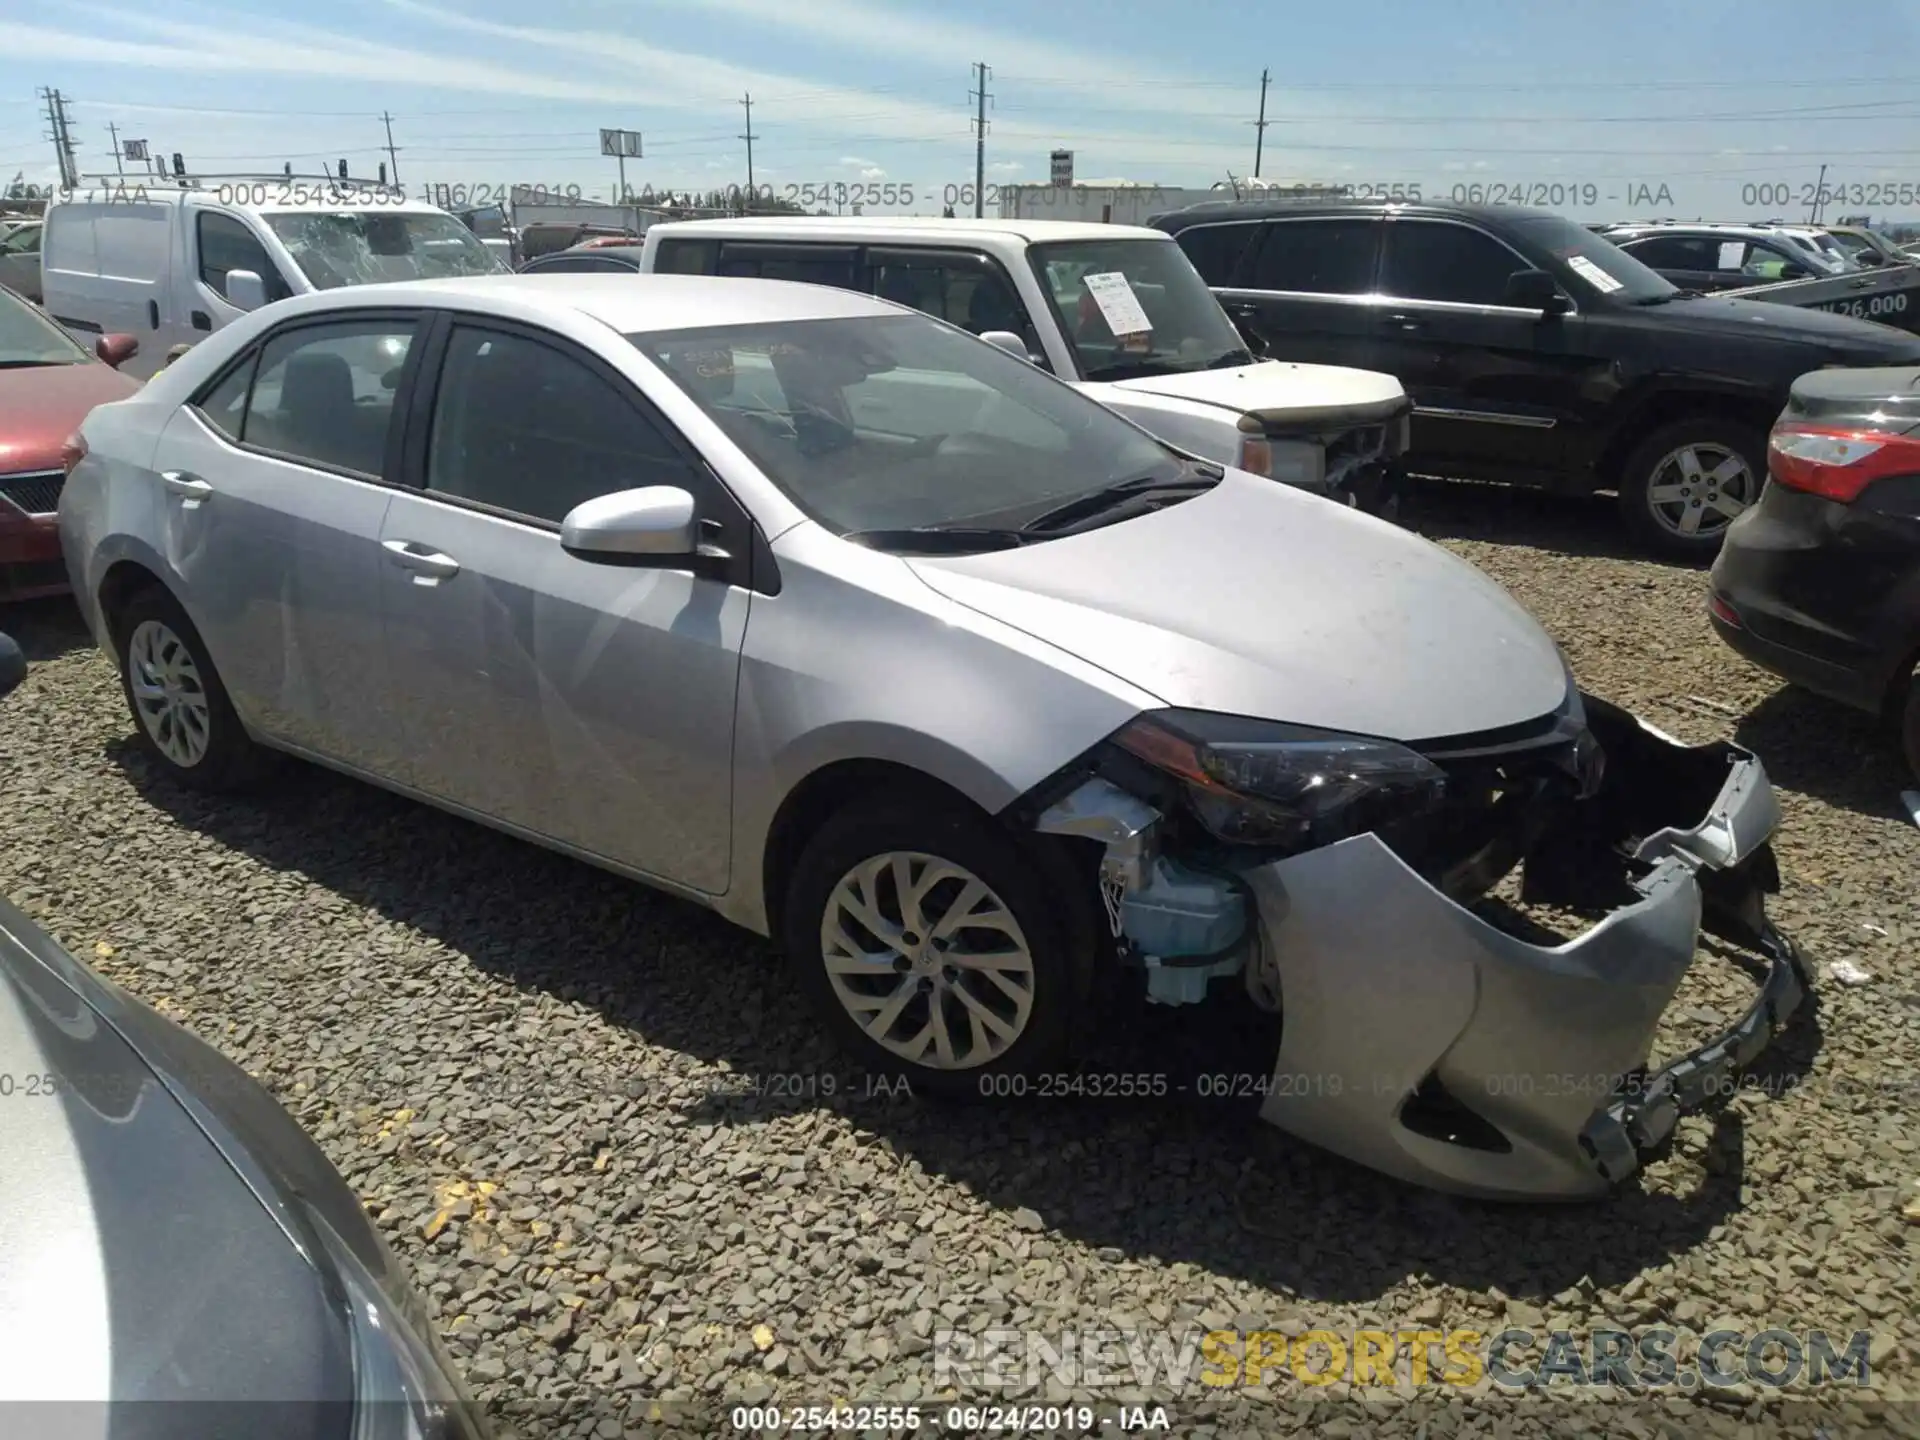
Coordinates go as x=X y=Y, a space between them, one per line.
x=1686 y=482
x=929 y=943
x=180 y=710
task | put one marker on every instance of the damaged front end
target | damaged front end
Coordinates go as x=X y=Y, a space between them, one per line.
x=1425 y=1032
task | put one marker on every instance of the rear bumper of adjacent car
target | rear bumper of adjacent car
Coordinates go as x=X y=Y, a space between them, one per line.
x=1429 y=1043
x=1820 y=593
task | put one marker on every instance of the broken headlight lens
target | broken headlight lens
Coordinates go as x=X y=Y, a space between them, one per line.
x=1259 y=782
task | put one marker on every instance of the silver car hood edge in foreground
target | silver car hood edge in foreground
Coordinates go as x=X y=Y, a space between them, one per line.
x=142 y=1268
x=1364 y=627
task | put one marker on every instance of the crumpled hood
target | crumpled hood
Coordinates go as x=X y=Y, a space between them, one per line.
x=1258 y=599
x=1276 y=389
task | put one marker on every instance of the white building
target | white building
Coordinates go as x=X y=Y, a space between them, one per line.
x=1131 y=202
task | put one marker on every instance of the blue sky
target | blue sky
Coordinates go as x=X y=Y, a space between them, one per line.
x=1707 y=98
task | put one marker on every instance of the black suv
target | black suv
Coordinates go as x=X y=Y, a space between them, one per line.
x=1536 y=352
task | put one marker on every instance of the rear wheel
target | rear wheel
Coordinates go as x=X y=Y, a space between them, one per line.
x=931 y=946
x=185 y=720
x=1686 y=482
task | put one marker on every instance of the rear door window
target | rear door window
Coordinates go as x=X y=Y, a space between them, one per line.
x=325 y=393
x=1434 y=260
x=1216 y=250
x=1678 y=252
x=1334 y=256
x=808 y=264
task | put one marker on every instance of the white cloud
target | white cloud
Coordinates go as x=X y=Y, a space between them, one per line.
x=855 y=162
x=873 y=172
x=1005 y=167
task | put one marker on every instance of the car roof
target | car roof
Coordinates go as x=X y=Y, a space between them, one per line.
x=905 y=227
x=632 y=303
x=1206 y=210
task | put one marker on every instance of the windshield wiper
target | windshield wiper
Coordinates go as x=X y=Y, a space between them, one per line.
x=1097 y=503
x=939 y=539
x=33 y=364
x=1230 y=360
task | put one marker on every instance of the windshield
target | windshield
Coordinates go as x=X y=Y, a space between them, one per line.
x=28 y=338
x=1592 y=262
x=1131 y=308
x=366 y=247
x=899 y=422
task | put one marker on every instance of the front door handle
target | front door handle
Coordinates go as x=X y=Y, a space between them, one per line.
x=428 y=565
x=1408 y=323
x=190 y=488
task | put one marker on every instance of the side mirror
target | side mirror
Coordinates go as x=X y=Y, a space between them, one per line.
x=246 y=290
x=1791 y=271
x=1008 y=341
x=655 y=521
x=1868 y=257
x=13 y=665
x=1535 y=290
x=116 y=350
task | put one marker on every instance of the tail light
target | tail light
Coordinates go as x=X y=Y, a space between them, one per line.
x=1838 y=463
x=1256 y=454
x=73 y=451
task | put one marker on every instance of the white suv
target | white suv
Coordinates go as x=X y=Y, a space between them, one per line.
x=1116 y=310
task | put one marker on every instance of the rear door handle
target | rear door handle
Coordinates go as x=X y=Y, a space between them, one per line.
x=190 y=488
x=153 y=314
x=200 y=320
x=1406 y=322
x=428 y=565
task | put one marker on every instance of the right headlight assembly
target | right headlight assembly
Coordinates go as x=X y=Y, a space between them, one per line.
x=1261 y=782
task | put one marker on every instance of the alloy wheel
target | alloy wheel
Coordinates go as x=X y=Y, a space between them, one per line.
x=168 y=693
x=1696 y=491
x=928 y=960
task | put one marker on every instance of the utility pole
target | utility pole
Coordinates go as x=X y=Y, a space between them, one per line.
x=1260 y=126
x=114 y=131
x=981 y=97
x=1819 y=196
x=62 y=137
x=749 y=137
x=393 y=153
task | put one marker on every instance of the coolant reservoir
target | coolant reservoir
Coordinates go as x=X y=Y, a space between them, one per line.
x=1180 y=911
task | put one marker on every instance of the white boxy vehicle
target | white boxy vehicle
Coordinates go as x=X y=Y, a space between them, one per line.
x=1117 y=310
x=172 y=260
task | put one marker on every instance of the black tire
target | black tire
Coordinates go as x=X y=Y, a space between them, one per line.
x=1048 y=908
x=1644 y=466
x=230 y=760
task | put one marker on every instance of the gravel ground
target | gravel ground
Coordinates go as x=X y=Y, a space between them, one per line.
x=596 y=1122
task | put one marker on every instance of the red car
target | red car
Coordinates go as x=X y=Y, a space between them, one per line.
x=48 y=383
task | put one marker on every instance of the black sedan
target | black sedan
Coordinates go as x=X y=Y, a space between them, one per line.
x=1820 y=582
x=169 y=1234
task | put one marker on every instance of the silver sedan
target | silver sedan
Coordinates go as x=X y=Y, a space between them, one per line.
x=974 y=695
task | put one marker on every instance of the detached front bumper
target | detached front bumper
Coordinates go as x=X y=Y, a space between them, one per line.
x=1425 y=1042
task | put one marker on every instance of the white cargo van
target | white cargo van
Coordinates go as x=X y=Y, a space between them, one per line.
x=1116 y=310
x=173 y=260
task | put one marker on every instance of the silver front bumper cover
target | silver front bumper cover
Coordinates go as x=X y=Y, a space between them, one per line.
x=1393 y=994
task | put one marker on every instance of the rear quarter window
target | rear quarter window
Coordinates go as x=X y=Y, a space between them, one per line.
x=686 y=257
